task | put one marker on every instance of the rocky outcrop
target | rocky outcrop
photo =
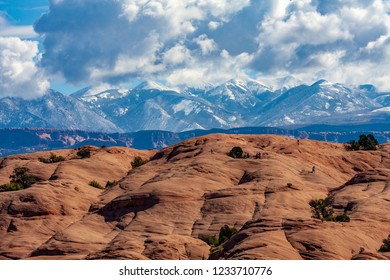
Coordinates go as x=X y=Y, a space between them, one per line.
x=161 y=209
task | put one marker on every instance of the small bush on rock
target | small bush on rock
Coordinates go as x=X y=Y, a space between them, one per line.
x=84 y=152
x=110 y=184
x=236 y=152
x=366 y=142
x=344 y=218
x=52 y=159
x=95 y=184
x=21 y=176
x=321 y=210
x=20 y=179
x=225 y=233
x=10 y=187
x=209 y=239
x=386 y=245
x=138 y=161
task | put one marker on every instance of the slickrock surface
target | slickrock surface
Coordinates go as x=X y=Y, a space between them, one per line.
x=159 y=210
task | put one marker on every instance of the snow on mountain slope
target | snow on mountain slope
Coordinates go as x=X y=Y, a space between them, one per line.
x=150 y=85
x=96 y=94
x=383 y=99
x=236 y=103
x=234 y=93
x=53 y=110
x=311 y=104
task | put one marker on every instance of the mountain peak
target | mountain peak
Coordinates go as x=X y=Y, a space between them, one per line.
x=151 y=85
x=368 y=87
x=238 y=82
x=321 y=82
x=93 y=94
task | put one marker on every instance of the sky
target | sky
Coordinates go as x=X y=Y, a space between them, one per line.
x=68 y=44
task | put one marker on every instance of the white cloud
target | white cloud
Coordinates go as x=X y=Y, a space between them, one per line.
x=9 y=30
x=181 y=41
x=343 y=41
x=221 y=69
x=19 y=75
x=177 y=55
x=213 y=25
x=24 y=32
x=206 y=45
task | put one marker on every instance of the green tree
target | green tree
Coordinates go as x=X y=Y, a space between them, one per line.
x=353 y=145
x=226 y=233
x=84 y=152
x=320 y=210
x=386 y=245
x=210 y=239
x=235 y=152
x=366 y=142
x=138 y=161
x=52 y=159
x=344 y=218
x=20 y=176
x=324 y=212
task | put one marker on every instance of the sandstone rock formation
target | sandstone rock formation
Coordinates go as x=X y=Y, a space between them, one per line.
x=159 y=210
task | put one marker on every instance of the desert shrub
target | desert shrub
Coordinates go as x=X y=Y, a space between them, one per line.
x=289 y=185
x=211 y=240
x=52 y=159
x=21 y=176
x=366 y=142
x=321 y=210
x=84 y=152
x=352 y=145
x=386 y=245
x=226 y=233
x=20 y=179
x=344 y=218
x=95 y=184
x=138 y=161
x=216 y=249
x=10 y=187
x=236 y=152
x=110 y=184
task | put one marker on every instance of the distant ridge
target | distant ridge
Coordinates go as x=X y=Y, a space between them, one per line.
x=17 y=141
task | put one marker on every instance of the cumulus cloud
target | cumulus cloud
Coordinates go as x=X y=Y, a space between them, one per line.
x=206 y=45
x=217 y=70
x=21 y=31
x=112 y=41
x=343 y=41
x=19 y=75
x=195 y=41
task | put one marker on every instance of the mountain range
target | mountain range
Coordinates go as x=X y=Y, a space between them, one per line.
x=236 y=103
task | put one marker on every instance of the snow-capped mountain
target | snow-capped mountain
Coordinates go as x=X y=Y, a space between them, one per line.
x=53 y=110
x=151 y=106
x=96 y=94
x=236 y=103
x=315 y=104
x=151 y=85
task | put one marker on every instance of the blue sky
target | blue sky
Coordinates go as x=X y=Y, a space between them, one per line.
x=24 y=12
x=68 y=44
